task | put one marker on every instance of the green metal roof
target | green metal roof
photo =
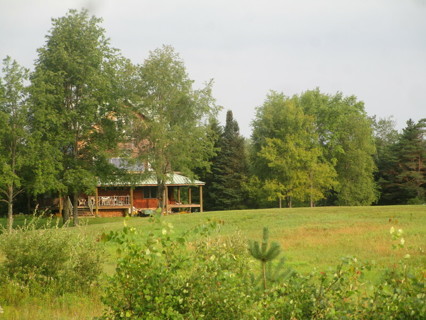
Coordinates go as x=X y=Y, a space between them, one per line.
x=174 y=179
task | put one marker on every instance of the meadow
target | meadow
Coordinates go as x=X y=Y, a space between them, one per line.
x=310 y=238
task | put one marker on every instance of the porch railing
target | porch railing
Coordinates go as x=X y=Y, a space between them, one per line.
x=109 y=201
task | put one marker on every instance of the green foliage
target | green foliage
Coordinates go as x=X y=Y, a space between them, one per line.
x=402 y=166
x=229 y=169
x=171 y=118
x=75 y=97
x=13 y=133
x=346 y=135
x=161 y=279
x=287 y=155
x=49 y=259
x=264 y=253
x=168 y=277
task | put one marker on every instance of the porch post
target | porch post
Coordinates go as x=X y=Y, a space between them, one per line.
x=166 y=198
x=178 y=199
x=201 y=198
x=189 y=195
x=96 y=202
x=131 y=201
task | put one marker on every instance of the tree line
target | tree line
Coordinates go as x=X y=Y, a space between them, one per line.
x=84 y=103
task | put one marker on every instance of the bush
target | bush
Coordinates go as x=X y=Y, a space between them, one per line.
x=214 y=277
x=50 y=258
x=167 y=277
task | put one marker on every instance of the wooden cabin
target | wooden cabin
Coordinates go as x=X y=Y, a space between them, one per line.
x=121 y=198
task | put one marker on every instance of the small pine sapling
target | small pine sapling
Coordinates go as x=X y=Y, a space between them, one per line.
x=264 y=253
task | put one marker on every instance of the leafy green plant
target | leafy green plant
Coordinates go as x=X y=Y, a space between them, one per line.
x=168 y=276
x=50 y=258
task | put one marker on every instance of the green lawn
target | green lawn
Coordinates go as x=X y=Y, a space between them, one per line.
x=311 y=238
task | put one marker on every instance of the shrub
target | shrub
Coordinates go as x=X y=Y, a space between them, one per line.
x=49 y=258
x=168 y=277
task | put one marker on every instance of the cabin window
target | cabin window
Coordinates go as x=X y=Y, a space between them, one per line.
x=150 y=192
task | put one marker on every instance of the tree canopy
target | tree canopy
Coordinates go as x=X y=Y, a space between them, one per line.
x=74 y=96
x=85 y=103
x=173 y=133
x=287 y=154
x=13 y=133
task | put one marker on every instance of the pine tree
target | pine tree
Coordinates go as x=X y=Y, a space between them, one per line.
x=229 y=169
x=264 y=253
x=403 y=173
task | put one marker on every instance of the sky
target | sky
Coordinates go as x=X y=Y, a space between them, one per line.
x=373 y=49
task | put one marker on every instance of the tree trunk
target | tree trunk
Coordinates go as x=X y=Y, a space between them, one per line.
x=66 y=210
x=160 y=196
x=10 y=209
x=289 y=202
x=75 y=208
x=280 y=202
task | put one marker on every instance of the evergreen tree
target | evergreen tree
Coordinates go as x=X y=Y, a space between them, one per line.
x=229 y=169
x=403 y=171
x=208 y=175
x=386 y=138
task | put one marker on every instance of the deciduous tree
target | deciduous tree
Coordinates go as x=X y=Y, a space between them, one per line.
x=173 y=135
x=288 y=156
x=346 y=136
x=74 y=99
x=13 y=132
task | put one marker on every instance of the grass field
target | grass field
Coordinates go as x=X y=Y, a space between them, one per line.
x=310 y=238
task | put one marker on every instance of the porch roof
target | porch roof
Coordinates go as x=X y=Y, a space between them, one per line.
x=174 y=179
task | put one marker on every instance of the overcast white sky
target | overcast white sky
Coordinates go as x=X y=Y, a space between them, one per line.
x=374 y=49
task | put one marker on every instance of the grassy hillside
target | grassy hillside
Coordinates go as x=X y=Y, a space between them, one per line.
x=310 y=237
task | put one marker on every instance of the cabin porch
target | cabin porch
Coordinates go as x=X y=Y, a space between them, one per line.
x=122 y=201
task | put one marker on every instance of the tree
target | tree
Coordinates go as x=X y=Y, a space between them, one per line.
x=402 y=174
x=346 y=136
x=173 y=135
x=209 y=174
x=13 y=133
x=411 y=153
x=229 y=169
x=287 y=155
x=386 y=138
x=75 y=95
